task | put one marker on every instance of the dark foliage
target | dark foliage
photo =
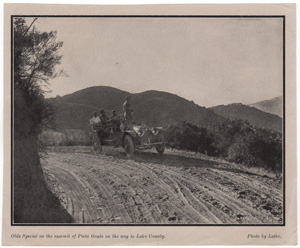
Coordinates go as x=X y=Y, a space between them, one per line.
x=236 y=141
x=35 y=58
x=187 y=136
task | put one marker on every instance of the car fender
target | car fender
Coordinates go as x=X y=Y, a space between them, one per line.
x=156 y=130
x=132 y=133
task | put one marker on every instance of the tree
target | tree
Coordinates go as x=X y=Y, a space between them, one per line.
x=36 y=55
x=35 y=58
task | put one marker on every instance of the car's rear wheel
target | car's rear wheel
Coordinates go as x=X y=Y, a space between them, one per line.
x=96 y=144
x=160 y=149
x=128 y=146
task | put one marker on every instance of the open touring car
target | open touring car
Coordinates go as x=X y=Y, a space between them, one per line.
x=131 y=137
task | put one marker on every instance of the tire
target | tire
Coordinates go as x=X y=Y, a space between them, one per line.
x=128 y=146
x=160 y=149
x=96 y=144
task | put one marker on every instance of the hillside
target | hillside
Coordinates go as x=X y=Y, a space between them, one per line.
x=253 y=115
x=151 y=107
x=273 y=106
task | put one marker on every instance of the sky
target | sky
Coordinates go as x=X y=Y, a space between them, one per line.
x=210 y=61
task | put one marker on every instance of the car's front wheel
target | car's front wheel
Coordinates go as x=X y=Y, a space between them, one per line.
x=160 y=149
x=128 y=146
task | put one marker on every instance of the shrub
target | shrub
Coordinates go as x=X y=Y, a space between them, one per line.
x=65 y=138
x=236 y=141
x=190 y=137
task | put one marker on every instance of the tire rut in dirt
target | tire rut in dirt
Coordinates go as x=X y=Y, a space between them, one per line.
x=112 y=189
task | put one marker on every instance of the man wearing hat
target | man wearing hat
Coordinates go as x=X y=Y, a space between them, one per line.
x=113 y=116
x=103 y=117
x=127 y=110
x=94 y=122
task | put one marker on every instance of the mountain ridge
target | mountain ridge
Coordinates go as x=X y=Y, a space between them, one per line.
x=253 y=115
x=151 y=107
x=272 y=106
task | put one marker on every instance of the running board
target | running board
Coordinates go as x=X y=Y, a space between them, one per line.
x=152 y=144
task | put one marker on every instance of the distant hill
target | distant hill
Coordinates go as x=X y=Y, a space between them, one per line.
x=151 y=107
x=255 y=116
x=273 y=106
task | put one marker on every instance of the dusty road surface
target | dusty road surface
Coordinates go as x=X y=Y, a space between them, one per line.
x=175 y=188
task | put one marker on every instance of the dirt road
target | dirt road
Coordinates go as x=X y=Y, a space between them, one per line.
x=178 y=187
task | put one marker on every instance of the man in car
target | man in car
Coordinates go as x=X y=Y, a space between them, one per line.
x=103 y=117
x=104 y=122
x=94 y=122
x=113 y=116
x=115 y=121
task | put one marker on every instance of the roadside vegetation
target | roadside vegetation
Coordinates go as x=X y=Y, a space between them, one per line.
x=69 y=137
x=237 y=142
x=36 y=55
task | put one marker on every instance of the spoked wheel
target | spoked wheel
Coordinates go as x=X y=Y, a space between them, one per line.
x=96 y=144
x=128 y=146
x=160 y=149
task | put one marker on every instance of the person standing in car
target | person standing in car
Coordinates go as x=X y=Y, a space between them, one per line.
x=114 y=120
x=127 y=110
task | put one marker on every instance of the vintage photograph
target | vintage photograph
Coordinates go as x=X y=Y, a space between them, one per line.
x=147 y=120
x=149 y=125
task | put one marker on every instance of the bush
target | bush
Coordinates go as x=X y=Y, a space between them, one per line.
x=187 y=136
x=65 y=138
x=237 y=141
